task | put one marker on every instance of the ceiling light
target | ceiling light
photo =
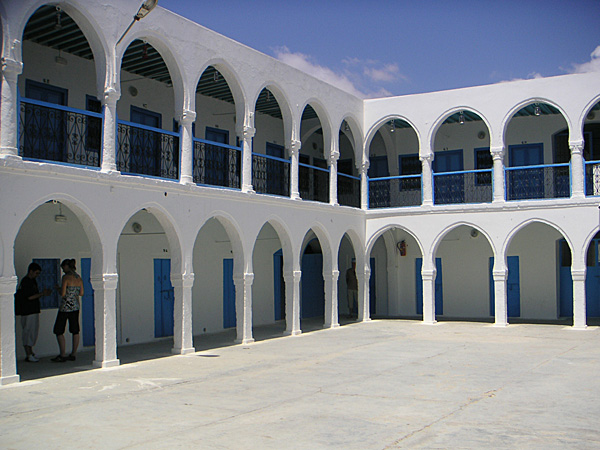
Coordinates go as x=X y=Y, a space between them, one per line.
x=461 y=118
x=537 y=110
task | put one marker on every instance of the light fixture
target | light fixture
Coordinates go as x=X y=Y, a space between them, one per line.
x=144 y=10
x=58 y=24
x=59 y=217
x=461 y=118
x=393 y=126
x=537 y=110
x=60 y=60
x=346 y=126
x=216 y=76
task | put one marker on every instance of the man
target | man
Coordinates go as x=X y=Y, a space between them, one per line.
x=30 y=309
x=352 y=284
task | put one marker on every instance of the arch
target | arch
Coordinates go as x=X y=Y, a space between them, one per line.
x=509 y=116
x=375 y=128
x=283 y=102
x=324 y=119
x=517 y=228
x=377 y=234
x=356 y=131
x=284 y=238
x=234 y=233
x=442 y=117
x=325 y=241
x=586 y=110
x=440 y=236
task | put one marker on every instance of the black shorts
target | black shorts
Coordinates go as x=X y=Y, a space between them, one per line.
x=61 y=322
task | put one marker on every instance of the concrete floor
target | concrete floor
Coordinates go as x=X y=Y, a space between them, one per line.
x=377 y=385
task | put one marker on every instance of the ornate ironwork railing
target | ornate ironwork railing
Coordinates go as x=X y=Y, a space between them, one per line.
x=468 y=186
x=217 y=164
x=392 y=192
x=270 y=175
x=313 y=183
x=147 y=150
x=538 y=182
x=348 y=188
x=592 y=178
x=50 y=132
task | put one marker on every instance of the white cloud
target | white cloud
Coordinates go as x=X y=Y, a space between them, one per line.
x=389 y=72
x=593 y=65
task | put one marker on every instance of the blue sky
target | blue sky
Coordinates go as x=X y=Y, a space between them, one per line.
x=383 y=48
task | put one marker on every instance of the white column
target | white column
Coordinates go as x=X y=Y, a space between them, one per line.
x=105 y=319
x=499 y=185
x=183 y=341
x=500 y=302
x=331 y=299
x=428 y=276
x=243 y=307
x=577 y=170
x=8 y=349
x=427 y=179
x=363 y=277
x=292 y=302
x=333 y=178
x=109 y=130
x=364 y=185
x=247 y=135
x=294 y=149
x=9 y=116
x=579 y=305
x=186 y=119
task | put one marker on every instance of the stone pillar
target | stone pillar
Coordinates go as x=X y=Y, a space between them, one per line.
x=331 y=299
x=243 y=307
x=294 y=148
x=8 y=346
x=105 y=319
x=109 y=130
x=183 y=341
x=9 y=116
x=579 y=305
x=292 y=302
x=364 y=185
x=186 y=119
x=499 y=185
x=247 y=135
x=363 y=277
x=577 y=170
x=333 y=178
x=500 y=302
x=428 y=276
x=427 y=178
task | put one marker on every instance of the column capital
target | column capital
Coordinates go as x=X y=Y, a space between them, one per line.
x=428 y=274
x=295 y=146
x=335 y=275
x=110 y=96
x=428 y=157
x=576 y=147
x=333 y=157
x=364 y=167
x=497 y=152
x=187 y=117
x=11 y=66
x=8 y=285
x=185 y=280
x=578 y=274
x=106 y=281
x=500 y=274
x=248 y=132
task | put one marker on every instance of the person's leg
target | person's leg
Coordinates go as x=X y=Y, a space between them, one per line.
x=75 y=344
x=74 y=330
x=59 y=331
x=35 y=329
x=61 y=344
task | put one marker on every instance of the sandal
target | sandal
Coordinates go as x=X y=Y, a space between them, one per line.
x=71 y=358
x=59 y=359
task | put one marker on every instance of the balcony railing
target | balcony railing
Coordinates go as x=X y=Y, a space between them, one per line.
x=270 y=175
x=592 y=178
x=313 y=183
x=348 y=190
x=50 y=132
x=392 y=192
x=538 y=182
x=468 y=186
x=217 y=164
x=147 y=151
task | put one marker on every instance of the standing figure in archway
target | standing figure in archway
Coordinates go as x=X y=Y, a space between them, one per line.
x=71 y=290
x=352 y=288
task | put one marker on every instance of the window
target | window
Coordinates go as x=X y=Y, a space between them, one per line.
x=409 y=165
x=483 y=160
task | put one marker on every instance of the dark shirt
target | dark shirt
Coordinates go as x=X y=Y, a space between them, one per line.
x=28 y=288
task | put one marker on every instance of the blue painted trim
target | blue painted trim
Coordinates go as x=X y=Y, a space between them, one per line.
x=459 y=172
x=273 y=158
x=58 y=163
x=539 y=166
x=352 y=177
x=313 y=167
x=396 y=177
x=60 y=107
x=217 y=144
x=145 y=127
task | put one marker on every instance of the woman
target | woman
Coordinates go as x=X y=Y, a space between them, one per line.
x=71 y=290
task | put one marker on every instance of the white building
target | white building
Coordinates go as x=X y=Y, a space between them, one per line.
x=202 y=185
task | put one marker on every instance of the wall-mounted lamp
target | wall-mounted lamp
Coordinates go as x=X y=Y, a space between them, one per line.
x=537 y=110
x=58 y=24
x=393 y=126
x=59 y=218
x=461 y=118
x=144 y=10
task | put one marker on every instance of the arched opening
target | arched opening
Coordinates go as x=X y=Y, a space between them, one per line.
x=529 y=142
x=347 y=282
x=348 y=176
x=217 y=155
x=394 y=166
x=148 y=131
x=50 y=234
x=591 y=149
x=462 y=164
x=270 y=161
x=464 y=255
x=313 y=182
x=59 y=114
x=312 y=284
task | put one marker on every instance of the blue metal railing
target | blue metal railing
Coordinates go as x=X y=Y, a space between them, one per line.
x=538 y=182
x=465 y=186
x=313 y=183
x=270 y=175
x=217 y=164
x=50 y=132
x=395 y=191
x=144 y=150
x=348 y=188
x=592 y=178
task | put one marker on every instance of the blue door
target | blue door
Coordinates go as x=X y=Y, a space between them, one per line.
x=513 y=288
x=312 y=300
x=87 y=304
x=164 y=298
x=439 y=293
x=524 y=184
x=448 y=189
x=229 y=317
x=48 y=279
x=592 y=280
x=279 y=285
x=144 y=144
